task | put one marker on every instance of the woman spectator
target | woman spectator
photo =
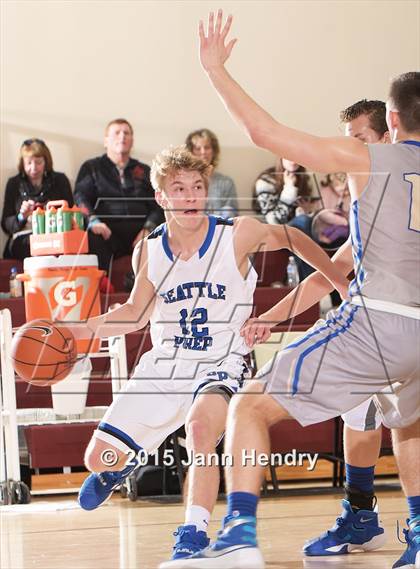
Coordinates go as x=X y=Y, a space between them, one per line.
x=334 y=193
x=35 y=184
x=328 y=225
x=282 y=192
x=222 y=197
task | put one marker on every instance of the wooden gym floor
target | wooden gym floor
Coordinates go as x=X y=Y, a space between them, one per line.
x=54 y=533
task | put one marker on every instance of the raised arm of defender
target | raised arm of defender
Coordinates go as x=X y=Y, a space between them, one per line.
x=318 y=154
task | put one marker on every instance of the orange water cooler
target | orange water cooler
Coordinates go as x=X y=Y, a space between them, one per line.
x=64 y=288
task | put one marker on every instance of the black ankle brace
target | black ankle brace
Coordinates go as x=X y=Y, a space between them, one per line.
x=358 y=499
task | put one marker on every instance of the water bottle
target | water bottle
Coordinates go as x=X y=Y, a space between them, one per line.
x=38 y=221
x=64 y=219
x=14 y=284
x=51 y=220
x=292 y=273
x=78 y=218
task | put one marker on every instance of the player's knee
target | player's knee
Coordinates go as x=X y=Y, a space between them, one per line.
x=99 y=457
x=200 y=435
x=244 y=404
x=92 y=462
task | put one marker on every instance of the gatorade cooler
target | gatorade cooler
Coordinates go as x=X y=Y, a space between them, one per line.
x=63 y=288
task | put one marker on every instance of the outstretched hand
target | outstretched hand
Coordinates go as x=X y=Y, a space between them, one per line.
x=213 y=50
x=256 y=331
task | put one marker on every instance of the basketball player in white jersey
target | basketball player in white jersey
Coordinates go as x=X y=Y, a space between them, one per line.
x=364 y=347
x=195 y=284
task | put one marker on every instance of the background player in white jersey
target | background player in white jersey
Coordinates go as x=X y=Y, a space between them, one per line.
x=194 y=283
x=367 y=344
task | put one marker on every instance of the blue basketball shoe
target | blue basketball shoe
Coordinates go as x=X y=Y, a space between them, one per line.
x=410 y=559
x=353 y=531
x=235 y=548
x=98 y=487
x=188 y=541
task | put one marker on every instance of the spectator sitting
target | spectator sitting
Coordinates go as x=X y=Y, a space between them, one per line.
x=35 y=184
x=222 y=197
x=328 y=226
x=334 y=193
x=333 y=197
x=115 y=193
x=282 y=192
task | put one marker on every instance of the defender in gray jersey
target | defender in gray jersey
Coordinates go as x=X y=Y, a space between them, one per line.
x=362 y=433
x=365 y=347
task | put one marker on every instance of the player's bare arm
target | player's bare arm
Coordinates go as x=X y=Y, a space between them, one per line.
x=318 y=154
x=311 y=290
x=134 y=314
x=252 y=236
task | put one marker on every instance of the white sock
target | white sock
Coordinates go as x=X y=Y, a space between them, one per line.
x=197 y=516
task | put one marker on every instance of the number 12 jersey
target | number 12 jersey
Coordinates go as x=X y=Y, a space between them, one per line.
x=201 y=303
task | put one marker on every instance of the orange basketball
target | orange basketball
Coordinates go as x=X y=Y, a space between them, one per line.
x=43 y=353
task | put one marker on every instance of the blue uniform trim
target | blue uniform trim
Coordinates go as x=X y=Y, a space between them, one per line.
x=320 y=329
x=210 y=234
x=213 y=221
x=120 y=435
x=310 y=349
x=165 y=243
x=412 y=142
x=357 y=247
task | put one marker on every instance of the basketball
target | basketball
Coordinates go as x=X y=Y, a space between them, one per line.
x=43 y=353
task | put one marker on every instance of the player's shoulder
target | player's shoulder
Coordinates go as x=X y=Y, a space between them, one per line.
x=157 y=232
x=393 y=156
x=140 y=257
x=248 y=231
x=246 y=223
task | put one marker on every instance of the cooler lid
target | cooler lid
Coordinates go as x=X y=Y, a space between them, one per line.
x=44 y=262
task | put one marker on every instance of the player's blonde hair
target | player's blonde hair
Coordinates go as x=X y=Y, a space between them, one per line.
x=174 y=159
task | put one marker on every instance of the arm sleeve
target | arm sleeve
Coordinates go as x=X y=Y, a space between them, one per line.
x=9 y=220
x=85 y=190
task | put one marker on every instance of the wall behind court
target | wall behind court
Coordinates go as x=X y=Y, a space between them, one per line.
x=68 y=67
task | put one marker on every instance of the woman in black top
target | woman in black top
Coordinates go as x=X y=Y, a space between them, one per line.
x=36 y=184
